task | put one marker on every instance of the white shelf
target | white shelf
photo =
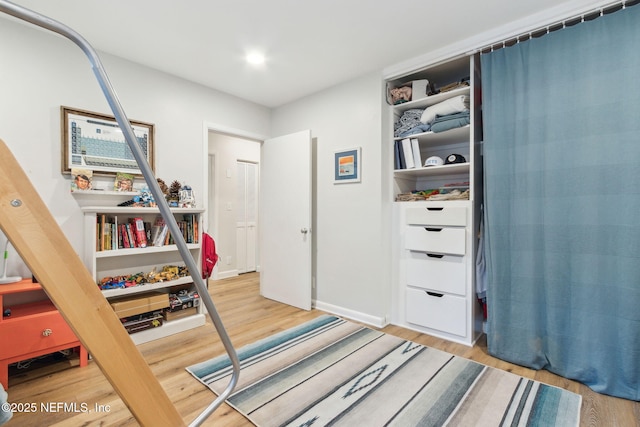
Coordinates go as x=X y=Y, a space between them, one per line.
x=131 y=210
x=169 y=328
x=142 y=251
x=444 y=170
x=431 y=100
x=110 y=293
x=102 y=198
x=451 y=136
x=104 y=193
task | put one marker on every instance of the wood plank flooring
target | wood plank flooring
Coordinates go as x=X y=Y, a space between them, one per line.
x=83 y=396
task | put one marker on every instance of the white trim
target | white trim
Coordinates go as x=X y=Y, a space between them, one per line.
x=208 y=126
x=375 y=321
x=508 y=31
x=226 y=274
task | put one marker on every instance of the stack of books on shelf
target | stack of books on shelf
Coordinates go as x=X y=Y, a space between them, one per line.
x=136 y=233
x=113 y=235
x=407 y=153
x=188 y=226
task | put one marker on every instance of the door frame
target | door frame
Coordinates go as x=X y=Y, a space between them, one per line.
x=206 y=203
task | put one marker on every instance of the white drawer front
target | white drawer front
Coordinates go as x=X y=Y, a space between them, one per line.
x=437 y=272
x=443 y=312
x=456 y=216
x=436 y=239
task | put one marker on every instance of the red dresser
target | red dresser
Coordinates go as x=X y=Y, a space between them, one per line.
x=33 y=329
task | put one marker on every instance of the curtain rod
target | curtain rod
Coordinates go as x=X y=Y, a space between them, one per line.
x=558 y=25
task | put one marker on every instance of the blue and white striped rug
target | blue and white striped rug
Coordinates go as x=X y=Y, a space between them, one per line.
x=329 y=371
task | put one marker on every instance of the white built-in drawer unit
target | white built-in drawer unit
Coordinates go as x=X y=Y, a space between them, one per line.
x=437 y=269
x=443 y=312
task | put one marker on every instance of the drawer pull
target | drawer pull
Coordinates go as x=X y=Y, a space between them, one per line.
x=435 y=255
x=433 y=229
x=435 y=209
x=433 y=294
x=47 y=332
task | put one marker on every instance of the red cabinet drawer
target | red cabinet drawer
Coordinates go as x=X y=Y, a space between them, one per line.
x=24 y=335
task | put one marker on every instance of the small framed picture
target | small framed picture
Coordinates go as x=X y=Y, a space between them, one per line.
x=347 y=166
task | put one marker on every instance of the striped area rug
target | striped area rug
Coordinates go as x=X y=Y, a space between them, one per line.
x=330 y=371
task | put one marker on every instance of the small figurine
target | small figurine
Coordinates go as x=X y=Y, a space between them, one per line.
x=187 y=199
x=145 y=198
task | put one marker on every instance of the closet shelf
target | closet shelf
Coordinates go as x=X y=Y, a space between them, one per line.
x=453 y=169
x=431 y=100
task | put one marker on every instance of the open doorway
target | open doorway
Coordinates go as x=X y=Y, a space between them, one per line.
x=233 y=202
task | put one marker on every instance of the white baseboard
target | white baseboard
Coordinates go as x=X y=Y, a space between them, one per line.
x=375 y=321
x=227 y=274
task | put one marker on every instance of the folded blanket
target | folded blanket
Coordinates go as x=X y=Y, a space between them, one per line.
x=443 y=123
x=408 y=120
x=446 y=107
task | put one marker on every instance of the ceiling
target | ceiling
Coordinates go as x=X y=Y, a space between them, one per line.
x=309 y=45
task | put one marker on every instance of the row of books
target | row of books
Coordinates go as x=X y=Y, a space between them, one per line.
x=112 y=234
x=407 y=153
x=160 y=234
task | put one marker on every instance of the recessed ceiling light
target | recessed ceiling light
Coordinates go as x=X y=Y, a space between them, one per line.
x=255 y=58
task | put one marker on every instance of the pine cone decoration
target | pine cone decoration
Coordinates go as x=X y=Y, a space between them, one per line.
x=175 y=187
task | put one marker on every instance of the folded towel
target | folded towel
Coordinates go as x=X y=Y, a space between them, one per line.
x=448 y=106
x=444 y=123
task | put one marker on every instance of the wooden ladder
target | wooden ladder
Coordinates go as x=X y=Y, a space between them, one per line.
x=37 y=237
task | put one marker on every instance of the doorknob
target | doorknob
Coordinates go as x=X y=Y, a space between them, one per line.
x=304 y=230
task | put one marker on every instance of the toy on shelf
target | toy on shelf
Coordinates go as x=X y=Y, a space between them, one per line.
x=187 y=198
x=168 y=272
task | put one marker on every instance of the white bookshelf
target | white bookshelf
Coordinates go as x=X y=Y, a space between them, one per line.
x=124 y=261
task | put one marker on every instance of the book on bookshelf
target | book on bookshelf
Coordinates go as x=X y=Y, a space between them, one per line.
x=137 y=228
x=123 y=182
x=408 y=153
x=417 y=156
x=81 y=179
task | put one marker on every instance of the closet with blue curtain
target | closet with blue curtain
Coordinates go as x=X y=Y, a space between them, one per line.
x=562 y=201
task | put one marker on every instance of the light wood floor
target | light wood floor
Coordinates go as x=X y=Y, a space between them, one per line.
x=247 y=317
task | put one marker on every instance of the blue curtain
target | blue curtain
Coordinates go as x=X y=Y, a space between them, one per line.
x=561 y=116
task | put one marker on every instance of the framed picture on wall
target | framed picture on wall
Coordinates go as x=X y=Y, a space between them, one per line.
x=347 y=166
x=95 y=142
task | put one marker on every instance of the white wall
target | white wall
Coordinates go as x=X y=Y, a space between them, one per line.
x=40 y=71
x=351 y=221
x=227 y=151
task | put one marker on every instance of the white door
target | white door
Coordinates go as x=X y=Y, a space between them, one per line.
x=285 y=219
x=247 y=216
